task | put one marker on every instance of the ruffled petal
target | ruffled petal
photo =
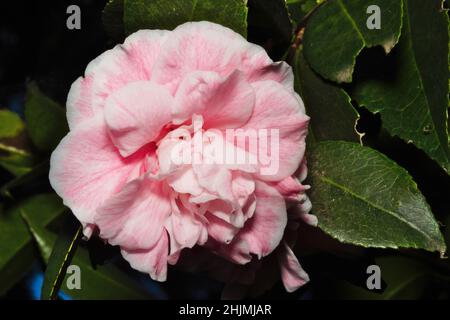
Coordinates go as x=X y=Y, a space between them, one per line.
x=264 y=231
x=113 y=69
x=136 y=113
x=86 y=169
x=206 y=46
x=282 y=114
x=135 y=217
x=223 y=102
x=152 y=261
x=292 y=273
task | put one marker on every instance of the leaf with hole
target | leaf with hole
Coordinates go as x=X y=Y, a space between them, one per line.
x=337 y=32
x=409 y=88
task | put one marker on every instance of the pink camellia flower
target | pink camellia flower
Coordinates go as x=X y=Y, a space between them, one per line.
x=190 y=91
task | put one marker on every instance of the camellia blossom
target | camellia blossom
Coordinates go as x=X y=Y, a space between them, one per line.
x=135 y=105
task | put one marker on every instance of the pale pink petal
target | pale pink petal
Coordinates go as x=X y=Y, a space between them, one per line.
x=88 y=230
x=152 y=261
x=185 y=181
x=242 y=187
x=113 y=69
x=224 y=102
x=136 y=113
x=205 y=46
x=236 y=252
x=134 y=218
x=79 y=101
x=292 y=273
x=309 y=219
x=215 y=179
x=86 y=169
x=281 y=113
x=292 y=190
x=278 y=71
x=264 y=231
x=185 y=228
x=220 y=230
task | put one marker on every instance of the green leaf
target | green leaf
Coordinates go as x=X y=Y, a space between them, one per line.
x=163 y=14
x=17 y=163
x=10 y=124
x=13 y=156
x=332 y=115
x=59 y=260
x=362 y=197
x=43 y=238
x=413 y=100
x=300 y=9
x=100 y=281
x=337 y=32
x=17 y=251
x=29 y=177
x=112 y=18
x=45 y=119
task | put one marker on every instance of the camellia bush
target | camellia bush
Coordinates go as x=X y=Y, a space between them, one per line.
x=96 y=98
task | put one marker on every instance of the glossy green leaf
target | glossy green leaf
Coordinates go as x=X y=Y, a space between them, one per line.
x=362 y=197
x=98 y=281
x=10 y=124
x=337 y=32
x=413 y=99
x=45 y=119
x=62 y=253
x=17 y=251
x=163 y=14
x=332 y=115
x=43 y=238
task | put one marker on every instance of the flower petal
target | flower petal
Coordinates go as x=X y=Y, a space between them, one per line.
x=282 y=114
x=152 y=261
x=206 y=46
x=135 y=217
x=220 y=230
x=223 y=102
x=292 y=273
x=113 y=69
x=86 y=169
x=136 y=113
x=264 y=231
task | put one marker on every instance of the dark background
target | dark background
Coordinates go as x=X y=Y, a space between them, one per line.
x=36 y=46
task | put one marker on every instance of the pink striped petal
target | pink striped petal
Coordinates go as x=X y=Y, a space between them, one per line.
x=152 y=261
x=292 y=273
x=223 y=102
x=283 y=115
x=264 y=231
x=86 y=169
x=136 y=113
x=134 y=218
x=113 y=69
x=205 y=46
